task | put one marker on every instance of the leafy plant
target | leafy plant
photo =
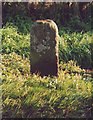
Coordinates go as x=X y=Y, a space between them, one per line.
x=12 y=41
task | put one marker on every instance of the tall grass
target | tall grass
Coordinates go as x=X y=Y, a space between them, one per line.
x=26 y=95
x=76 y=46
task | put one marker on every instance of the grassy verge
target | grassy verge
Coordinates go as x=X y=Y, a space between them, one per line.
x=25 y=95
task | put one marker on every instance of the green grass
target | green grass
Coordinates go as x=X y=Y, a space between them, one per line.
x=12 y=41
x=25 y=95
x=76 y=46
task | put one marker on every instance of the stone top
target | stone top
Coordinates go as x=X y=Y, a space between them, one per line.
x=51 y=23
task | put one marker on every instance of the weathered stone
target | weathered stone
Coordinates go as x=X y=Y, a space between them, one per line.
x=44 y=48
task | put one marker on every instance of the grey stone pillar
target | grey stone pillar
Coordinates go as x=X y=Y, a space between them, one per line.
x=44 y=48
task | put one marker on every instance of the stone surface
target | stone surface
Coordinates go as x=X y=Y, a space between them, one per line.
x=44 y=48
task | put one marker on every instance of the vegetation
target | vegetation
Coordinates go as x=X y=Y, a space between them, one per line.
x=25 y=95
x=75 y=46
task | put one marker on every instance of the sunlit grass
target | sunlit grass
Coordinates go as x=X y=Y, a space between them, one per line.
x=21 y=90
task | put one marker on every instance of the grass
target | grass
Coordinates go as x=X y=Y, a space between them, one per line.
x=76 y=46
x=25 y=95
x=12 y=41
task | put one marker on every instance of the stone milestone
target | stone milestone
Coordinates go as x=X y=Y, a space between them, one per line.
x=44 y=48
